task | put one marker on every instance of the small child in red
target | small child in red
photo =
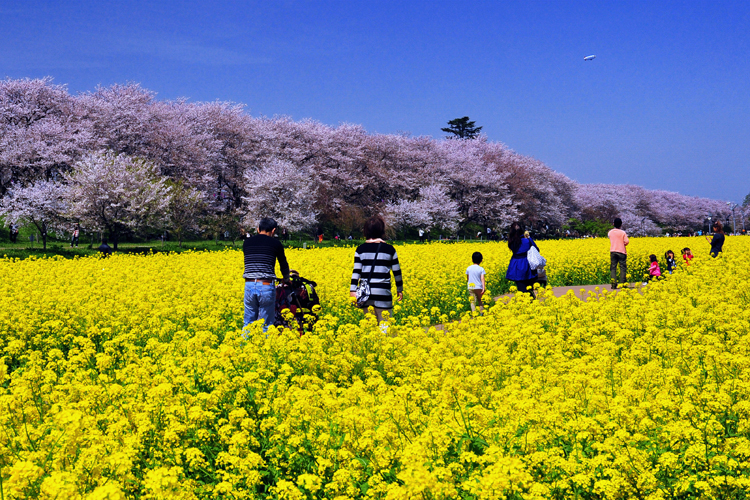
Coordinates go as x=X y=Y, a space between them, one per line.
x=687 y=255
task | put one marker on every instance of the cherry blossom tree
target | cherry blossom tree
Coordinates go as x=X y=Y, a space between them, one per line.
x=42 y=131
x=218 y=149
x=432 y=209
x=118 y=194
x=41 y=203
x=187 y=207
x=283 y=191
x=481 y=193
x=174 y=135
x=645 y=210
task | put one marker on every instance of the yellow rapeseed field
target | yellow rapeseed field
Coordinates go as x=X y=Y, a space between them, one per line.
x=129 y=377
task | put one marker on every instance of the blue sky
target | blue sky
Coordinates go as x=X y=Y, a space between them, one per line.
x=666 y=103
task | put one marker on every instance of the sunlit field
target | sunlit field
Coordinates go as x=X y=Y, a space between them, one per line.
x=129 y=377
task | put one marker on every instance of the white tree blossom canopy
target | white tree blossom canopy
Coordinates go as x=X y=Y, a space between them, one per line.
x=283 y=191
x=41 y=203
x=433 y=209
x=117 y=193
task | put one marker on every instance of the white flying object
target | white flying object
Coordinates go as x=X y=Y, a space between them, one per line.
x=589 y=58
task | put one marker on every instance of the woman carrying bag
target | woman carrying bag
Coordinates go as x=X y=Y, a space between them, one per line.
x=374 y=261
x=519 y=269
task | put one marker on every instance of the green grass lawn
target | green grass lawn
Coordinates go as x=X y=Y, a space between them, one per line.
x=88 y=244
x=24 y=248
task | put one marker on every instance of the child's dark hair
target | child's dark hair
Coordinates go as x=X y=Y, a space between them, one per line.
x=652 y=258
x=685 y=250
x=669 y=252
x=476 y=258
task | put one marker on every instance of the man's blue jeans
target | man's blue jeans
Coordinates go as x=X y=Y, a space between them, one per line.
x=260 y=303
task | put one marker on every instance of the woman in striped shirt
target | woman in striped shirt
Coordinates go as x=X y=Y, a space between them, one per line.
x=374 y=261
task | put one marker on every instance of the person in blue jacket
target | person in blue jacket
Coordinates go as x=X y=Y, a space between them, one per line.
x=518 y=267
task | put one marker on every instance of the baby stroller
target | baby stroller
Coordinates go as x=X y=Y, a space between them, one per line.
x=299 y=298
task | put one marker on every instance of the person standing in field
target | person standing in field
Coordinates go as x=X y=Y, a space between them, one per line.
x=14 y=233
x=74 y=238
x=671 y=263
x=261 y=253
x=717 y=241
x=519 y=269
x=687 y=255
x=654 y=271
x=476 y=282
x=374 y=261
x=618 y=254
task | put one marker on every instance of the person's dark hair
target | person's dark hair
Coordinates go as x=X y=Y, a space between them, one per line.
x=476 y=257
x=618 y=223
x=514 y=236
x=669 y=252
x=374 y=227
x=652 y=258
x=718 y=227
x=267 y=225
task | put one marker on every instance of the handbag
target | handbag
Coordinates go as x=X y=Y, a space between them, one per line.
x=535 y=258
x=363 y=287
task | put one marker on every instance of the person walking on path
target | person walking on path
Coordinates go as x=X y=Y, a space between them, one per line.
x=475 y=281
x=618 y=254
x=519 y=269
x=717 y=242
x=261 y=253
x=374 y=261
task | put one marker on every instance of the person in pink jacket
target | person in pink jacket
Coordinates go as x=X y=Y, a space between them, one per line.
x=654 y=271
x=618 y=254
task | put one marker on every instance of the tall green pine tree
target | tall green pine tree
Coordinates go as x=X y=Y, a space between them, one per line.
x=463 y=128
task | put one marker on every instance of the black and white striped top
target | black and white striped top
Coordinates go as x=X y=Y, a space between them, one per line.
x=380 y=284
x=261 y=253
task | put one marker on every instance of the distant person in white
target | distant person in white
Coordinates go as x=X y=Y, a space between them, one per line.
x=475 y=281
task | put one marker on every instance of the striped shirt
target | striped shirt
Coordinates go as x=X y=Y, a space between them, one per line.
x=261 y=253
x=380 y=283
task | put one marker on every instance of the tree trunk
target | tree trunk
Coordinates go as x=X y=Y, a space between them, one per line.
x=114 y=240
x=42 y=228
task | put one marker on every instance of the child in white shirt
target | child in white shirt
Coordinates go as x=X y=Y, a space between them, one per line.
x=475 y=281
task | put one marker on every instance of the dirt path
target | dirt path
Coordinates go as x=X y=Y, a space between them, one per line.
x=580 y=291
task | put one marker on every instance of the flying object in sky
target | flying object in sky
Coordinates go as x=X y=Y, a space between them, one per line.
x=589 y=58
